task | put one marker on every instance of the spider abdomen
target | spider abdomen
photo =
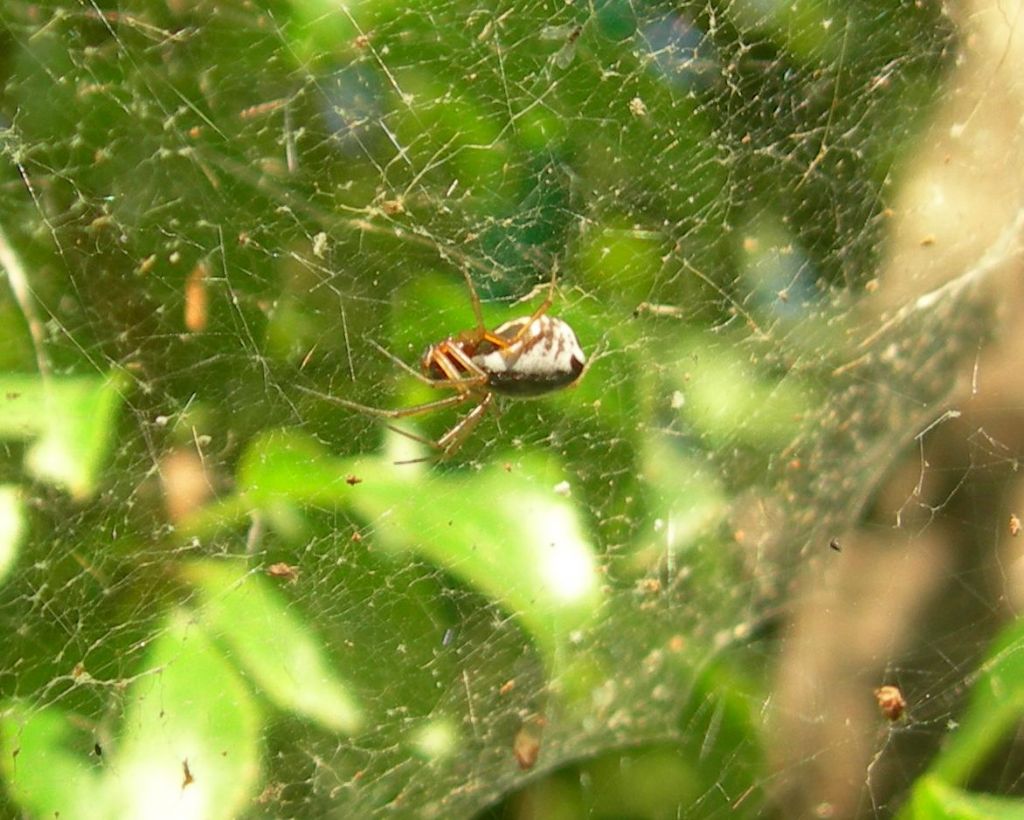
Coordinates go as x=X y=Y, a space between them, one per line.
x=544 y=357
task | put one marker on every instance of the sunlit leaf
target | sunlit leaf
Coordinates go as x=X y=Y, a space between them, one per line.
x=43 y=767
x=70 y=423
x=787 y=236
x=934 y=799
x=190 y=741
x=515 y=536
x=996 y=705
x=13 y=526
x=187 y=745
x=278 y=651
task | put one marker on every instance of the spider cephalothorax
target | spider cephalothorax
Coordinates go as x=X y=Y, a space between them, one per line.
x=522 y=358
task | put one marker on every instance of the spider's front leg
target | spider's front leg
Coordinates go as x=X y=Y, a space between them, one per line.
x=451 y=441
x=380 y=412
x=459 y=382
x=460 y=371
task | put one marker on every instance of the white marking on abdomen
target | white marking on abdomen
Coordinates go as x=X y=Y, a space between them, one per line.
x=547 y=349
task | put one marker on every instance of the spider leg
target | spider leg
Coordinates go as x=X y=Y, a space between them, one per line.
x=454 y=380
x=414 y=437
x=475 y=375
x=399 y=413
x=451 y=441
x=549 y=300
x=478 y=314
x=395 y=360
x=475 y=300
x=497 y=341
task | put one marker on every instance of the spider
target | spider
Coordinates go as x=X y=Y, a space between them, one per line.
x=522 y=358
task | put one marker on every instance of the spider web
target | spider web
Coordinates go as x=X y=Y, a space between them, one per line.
x=786 y=236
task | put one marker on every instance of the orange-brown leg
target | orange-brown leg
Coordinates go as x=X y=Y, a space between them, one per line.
x=443 y=355
x=475 y=301
x=452 y=378
x=544 y=307
x=451 y=441
x=399 y=413
x=497 y=341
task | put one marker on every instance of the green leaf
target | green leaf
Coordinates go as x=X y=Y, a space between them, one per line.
x=273 y=645
x=189 y=746
x=71 y=422
x=996 y=705
x=316 y=26
x=42 y=771
x=995 y=708
x=727 y=398
x=192 y=732
x=515 y=536
x=13 y=526
x=934 y=799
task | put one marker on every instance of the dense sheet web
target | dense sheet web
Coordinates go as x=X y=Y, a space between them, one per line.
x=785 y=235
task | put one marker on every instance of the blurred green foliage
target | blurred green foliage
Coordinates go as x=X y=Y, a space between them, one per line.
x=209 y=206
